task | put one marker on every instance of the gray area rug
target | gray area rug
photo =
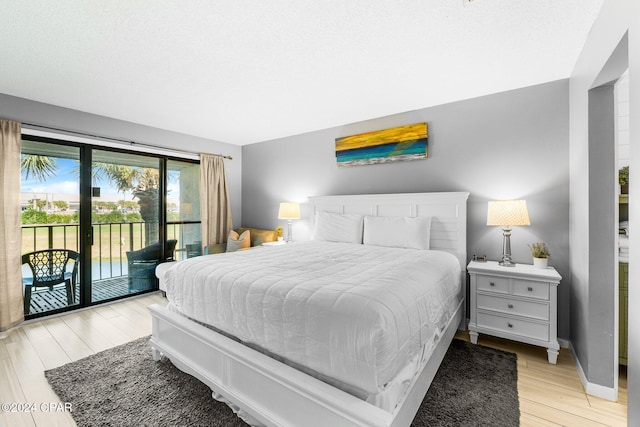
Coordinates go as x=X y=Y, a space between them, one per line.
x=123 y=386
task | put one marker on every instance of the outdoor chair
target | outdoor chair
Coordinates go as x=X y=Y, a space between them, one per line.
x=142 y=264
x=194 y=249
x=49 y=268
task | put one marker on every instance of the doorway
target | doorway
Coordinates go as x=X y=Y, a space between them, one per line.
x=108 y=207
x=50 y=213
x=604 y=226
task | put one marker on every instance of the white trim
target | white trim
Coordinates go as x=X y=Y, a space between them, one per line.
x=26 y=130
x=597 y=390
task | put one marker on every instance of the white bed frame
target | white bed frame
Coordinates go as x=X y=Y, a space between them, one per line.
x=265 y=392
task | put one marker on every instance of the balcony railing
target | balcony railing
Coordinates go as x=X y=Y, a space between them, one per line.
x=109 y=265
x=111 y=242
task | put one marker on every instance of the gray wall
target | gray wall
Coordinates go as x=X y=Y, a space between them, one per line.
x=24 y=110
x=509 y=145
x=602 y=238
x=594 y=317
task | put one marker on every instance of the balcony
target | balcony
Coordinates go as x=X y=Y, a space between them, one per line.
x=109 y=267
x=45 y=300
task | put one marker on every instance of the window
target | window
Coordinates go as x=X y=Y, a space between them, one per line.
x=183 y=207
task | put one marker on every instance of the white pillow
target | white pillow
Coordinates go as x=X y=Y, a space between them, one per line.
x=397 y=231
x=335 y=227
x=235 y=242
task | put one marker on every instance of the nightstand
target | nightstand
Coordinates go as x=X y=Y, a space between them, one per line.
x=518 y=303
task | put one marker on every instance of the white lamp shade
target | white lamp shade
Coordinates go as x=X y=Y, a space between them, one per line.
x=289 y=210
x=507 y=212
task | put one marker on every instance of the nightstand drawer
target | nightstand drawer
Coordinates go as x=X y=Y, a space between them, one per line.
x=531 y=289
x=534 y=310
x=523 y=328
x=493 y=284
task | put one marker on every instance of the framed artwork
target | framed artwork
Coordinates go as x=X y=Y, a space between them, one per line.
x=390 y=145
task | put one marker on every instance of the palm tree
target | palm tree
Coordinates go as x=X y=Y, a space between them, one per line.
x=147 y=191
x=143 y=183
x=38 y=167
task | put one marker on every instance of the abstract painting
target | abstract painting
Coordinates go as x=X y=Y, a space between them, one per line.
x=390 y=145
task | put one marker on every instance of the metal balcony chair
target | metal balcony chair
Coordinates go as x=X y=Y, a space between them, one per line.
x=49 y=268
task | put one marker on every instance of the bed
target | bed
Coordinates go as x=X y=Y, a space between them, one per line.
x=301 y=374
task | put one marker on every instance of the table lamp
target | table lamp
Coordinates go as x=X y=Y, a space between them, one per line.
x=289 y=211
x=506 y=213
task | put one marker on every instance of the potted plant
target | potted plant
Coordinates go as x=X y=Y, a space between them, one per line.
x=540 y=254
x=279 y=231
x=623 y=179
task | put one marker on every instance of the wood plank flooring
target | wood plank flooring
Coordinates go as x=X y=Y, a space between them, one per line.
x=553 y=395
x=27 y=351
x=550 y=395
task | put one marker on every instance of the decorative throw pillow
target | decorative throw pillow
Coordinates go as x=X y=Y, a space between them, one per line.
x=237 y=241
x=258 y=235
x=335 y=227
x=397 y=231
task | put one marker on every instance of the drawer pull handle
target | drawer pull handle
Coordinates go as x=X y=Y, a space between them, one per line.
x=510 y=325
x=491 y=284
x=530 y=289
x=510 y=306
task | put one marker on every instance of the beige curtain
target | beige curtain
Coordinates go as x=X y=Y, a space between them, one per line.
x=11 y=306
x=215 y=210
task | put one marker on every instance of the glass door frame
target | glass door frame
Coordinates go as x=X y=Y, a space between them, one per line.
x=85 y=226
x=79 y=147
x=141 y=272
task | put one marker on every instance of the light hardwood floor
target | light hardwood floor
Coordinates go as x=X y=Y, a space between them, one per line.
x=550 y=395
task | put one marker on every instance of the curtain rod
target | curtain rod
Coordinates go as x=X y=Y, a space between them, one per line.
x=122 y=141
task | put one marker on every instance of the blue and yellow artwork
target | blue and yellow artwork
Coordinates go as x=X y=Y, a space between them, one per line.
x=390 y=145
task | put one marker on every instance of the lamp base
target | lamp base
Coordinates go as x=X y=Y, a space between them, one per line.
x=506 y=248
x=289 y=232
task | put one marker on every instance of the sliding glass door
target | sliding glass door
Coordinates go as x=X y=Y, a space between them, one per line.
x=125 y=218
x=105 y=219
x=50 y=205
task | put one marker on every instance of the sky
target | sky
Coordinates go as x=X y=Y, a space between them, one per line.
x=66 y=181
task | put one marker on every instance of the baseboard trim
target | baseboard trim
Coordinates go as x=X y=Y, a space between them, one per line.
x=597 y=390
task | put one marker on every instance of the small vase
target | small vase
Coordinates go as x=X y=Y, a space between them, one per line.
x=540 y=262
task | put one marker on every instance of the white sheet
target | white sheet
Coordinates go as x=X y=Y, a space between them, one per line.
x=358 y=314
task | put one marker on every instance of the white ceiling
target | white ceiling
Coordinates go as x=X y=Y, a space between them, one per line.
x=245 y=71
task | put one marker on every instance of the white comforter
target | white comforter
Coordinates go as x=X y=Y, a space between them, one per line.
x=350 y=312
